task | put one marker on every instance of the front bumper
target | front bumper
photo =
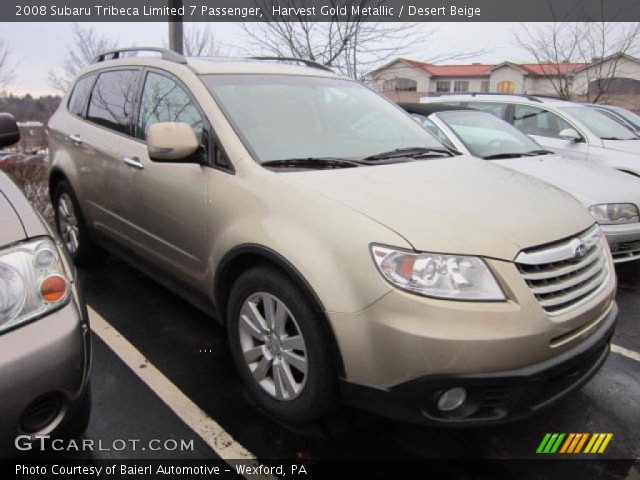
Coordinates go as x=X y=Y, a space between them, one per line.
x=492 y=398
x=46 y=360
x=623 y=240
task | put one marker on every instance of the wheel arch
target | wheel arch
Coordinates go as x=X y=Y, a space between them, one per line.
x=56 y=176
x=241 y=258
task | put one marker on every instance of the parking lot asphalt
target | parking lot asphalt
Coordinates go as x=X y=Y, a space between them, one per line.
x=190 y=350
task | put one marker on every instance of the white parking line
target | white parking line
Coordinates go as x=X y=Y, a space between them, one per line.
x=625 y=352
x=208 y=429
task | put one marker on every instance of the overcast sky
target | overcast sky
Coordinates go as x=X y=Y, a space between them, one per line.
x=40 y=47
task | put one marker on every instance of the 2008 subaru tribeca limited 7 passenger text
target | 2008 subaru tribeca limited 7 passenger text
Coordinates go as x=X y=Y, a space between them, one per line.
x=349 y=253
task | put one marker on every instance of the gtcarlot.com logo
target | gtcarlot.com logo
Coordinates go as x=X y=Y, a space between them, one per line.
x=574 y=443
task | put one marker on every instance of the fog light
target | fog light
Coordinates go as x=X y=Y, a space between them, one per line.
x=452 y=399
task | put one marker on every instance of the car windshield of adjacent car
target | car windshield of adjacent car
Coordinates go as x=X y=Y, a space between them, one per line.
x=487 y=136
x=601 y=125
x=627 y=114
x=282 y=117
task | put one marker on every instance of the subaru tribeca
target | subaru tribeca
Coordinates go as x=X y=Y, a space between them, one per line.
x=349 y=254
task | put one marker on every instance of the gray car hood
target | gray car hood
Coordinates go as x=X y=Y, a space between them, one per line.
x=11 y=229
x=590 y=183
x=18 y=219
x=455 y=205
x=628 y=146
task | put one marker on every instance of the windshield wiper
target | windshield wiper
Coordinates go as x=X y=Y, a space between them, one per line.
x=506 y=155
x=539 y=152
x=530 y=153
x=311 y=162
x=410 y=152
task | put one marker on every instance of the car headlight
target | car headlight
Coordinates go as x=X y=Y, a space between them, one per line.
x=33 y=281
x=609 y=213
x=455 y=277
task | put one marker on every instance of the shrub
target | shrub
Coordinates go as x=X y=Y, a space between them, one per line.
x=31 y=175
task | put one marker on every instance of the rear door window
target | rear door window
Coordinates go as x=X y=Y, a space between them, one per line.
x=79 y=95
x=112 y=100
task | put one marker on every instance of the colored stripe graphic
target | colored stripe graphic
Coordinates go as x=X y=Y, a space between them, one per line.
x=574 y=443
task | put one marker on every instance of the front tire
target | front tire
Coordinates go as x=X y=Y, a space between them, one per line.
x=78 y=423
x=279 y=346
x=72 y=228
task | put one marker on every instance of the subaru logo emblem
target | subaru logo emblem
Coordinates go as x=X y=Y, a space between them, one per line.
x=580 y=250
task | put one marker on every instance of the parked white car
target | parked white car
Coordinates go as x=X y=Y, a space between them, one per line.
x=568 y=128
x=612 y=197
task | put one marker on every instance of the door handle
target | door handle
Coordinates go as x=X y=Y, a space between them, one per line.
x=75 y=139
x=133 y=162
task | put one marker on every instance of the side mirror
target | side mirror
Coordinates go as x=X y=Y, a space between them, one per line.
x=171 y=141
x=9 y=132
x=570 y=135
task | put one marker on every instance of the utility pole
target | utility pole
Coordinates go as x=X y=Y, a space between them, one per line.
x=176 y=36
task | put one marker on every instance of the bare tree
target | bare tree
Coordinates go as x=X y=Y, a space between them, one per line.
x=87 y=44
x=552 y=47
x=601 y=47
x=7 y=69
x=607 y=46
x=200 y=41
x=351 y=44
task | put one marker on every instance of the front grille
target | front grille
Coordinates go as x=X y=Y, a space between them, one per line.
x=565 y=275
x=626 y=250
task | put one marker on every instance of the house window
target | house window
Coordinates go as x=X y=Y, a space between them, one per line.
x=406 y=85
x=485 y=85
x=506 y=87
x=461 y=86
x=443 y=86
x=400 y=85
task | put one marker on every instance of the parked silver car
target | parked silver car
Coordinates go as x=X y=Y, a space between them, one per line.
x=44 y=329
x=612 y=197
x=568 y=128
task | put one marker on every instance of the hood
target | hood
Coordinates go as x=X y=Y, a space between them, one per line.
x=18 y=219
x=11 y=229
x=591 y=184
x=456 y=205
x=628 y=146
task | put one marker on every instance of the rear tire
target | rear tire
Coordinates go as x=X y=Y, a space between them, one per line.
x=72 y=227
x=285 y=361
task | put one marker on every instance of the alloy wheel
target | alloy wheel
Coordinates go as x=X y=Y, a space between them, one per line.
x=273 y=346
x=68 y=223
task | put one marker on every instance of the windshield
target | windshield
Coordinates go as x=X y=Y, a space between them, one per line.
x=601 y=125
x=285 y=116
x=485 y=135
x=628 y=114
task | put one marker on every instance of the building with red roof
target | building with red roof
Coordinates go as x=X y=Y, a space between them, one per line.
x=405 y=79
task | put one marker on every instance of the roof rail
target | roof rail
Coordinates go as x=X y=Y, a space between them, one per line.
x=308 y=63
x=533 y=98
x=117 y=53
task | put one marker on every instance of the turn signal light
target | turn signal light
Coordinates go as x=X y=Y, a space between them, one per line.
x=54 y=288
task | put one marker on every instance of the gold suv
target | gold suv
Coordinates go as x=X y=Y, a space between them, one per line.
x=348 y=252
